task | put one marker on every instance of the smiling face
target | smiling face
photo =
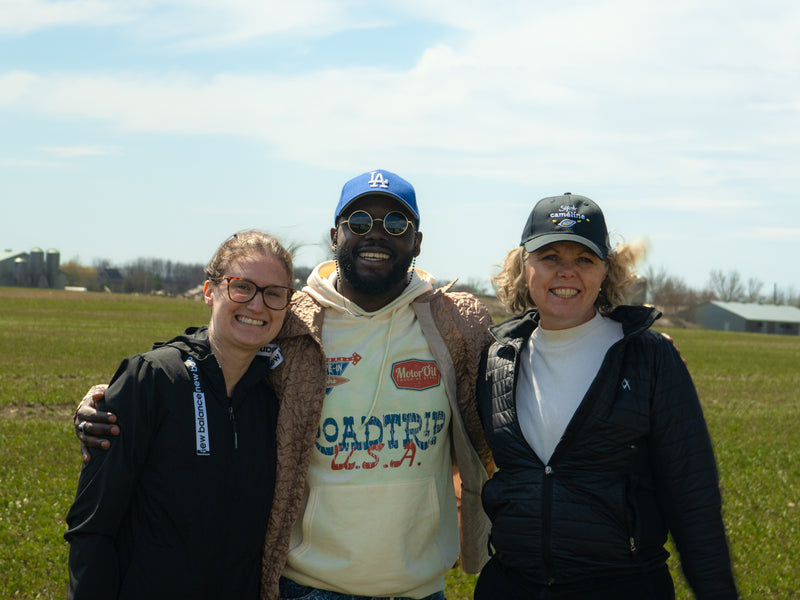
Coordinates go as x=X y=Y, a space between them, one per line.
x=564 y=280
x=373 y=268
x=249 y=326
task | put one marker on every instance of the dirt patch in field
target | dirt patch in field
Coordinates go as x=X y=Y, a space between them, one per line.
x=38 y=412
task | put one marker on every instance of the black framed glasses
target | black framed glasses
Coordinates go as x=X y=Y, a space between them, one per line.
x=242 y=291
x=360 y=223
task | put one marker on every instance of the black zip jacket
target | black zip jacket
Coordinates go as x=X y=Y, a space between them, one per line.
x=155 y=518
x=635 y=462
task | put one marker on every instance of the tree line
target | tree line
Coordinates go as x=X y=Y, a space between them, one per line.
x=146 y=276
x=663 y=289
x=673 y=294
x=142 y=276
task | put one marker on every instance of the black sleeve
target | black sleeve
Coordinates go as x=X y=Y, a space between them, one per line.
x=107 y=483
x=686 y=477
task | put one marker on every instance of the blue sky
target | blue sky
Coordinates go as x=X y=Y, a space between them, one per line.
x=156 y=128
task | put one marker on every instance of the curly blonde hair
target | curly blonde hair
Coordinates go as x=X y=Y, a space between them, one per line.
x=512 y=289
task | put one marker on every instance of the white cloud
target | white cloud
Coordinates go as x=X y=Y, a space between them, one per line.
x=215 y=24
x=462 y=114
x=15 y=87
x=190 y=23
x=609 y=90
x=25 y=16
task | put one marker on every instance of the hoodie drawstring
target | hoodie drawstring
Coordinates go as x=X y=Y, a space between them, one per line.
x=381 y=371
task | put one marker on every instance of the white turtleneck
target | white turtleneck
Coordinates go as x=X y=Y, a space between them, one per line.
x=557 y=368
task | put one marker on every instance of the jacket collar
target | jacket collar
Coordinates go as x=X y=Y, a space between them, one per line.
x=305 y=315
x=634 y=319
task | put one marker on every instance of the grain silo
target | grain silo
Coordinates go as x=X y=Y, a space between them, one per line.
x=36 y=268
x=20 y=273
x=52 y=265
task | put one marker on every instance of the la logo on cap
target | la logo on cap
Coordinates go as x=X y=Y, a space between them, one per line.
x=377 y=180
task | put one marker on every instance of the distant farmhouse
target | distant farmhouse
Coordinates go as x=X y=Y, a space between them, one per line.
x=36 y=268
x=112 y=279
x=754 y=318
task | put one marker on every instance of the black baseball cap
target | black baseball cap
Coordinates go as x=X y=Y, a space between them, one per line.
x=566 y=218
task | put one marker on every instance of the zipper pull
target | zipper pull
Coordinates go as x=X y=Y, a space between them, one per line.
x=633 y=545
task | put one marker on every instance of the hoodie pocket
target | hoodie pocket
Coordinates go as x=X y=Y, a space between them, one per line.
x=382 y=536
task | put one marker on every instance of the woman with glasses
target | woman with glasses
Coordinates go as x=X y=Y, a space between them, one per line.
x=179 y=506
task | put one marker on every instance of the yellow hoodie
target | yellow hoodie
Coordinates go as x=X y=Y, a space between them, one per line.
x=379 y=513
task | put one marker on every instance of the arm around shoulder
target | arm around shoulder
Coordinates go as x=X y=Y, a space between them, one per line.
x=105 y=487
x=686 y=477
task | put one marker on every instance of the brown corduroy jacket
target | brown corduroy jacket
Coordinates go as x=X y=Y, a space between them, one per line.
x=456 y=328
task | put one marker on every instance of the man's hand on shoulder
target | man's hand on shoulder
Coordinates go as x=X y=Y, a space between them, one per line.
x=674 y=345
x=91 y=423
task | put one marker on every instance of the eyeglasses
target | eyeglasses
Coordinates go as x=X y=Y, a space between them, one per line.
x=242 y=291
x=360 y=223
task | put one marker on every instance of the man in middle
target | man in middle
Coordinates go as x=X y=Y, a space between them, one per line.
x=392 y=387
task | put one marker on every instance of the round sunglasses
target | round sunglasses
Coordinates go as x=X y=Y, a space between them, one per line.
x=242 y=291
x=360 y=223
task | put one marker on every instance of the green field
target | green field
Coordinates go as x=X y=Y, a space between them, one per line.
x=55 y=344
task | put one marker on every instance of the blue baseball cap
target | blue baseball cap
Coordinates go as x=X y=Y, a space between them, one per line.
x=378 y=182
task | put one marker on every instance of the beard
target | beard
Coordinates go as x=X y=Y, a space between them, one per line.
x=371 y=285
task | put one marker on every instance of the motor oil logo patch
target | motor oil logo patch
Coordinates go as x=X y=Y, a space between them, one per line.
x=415 y=374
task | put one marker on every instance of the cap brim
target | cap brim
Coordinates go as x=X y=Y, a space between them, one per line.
x=378 y=193
x=534 y=244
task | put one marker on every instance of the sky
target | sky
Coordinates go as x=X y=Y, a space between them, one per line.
x=156 y=128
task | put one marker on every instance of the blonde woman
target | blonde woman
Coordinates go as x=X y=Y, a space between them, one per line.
x=596 y=428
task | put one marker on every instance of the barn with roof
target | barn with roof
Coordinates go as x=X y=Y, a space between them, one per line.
x=753 y=318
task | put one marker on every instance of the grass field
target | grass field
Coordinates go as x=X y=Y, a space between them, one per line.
x=55 y=344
